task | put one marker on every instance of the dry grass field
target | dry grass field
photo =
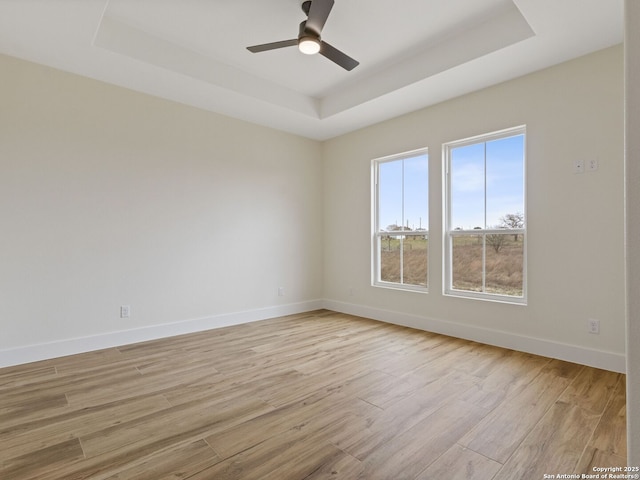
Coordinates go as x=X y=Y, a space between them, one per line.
x=414 y=259
x=504 y=268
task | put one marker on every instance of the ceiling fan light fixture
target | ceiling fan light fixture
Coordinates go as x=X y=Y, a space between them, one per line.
x=309 y=45
x=309 y=39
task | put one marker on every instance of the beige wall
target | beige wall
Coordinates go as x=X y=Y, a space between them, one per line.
x=632 y=174
x=575 y=222
x=110 y=197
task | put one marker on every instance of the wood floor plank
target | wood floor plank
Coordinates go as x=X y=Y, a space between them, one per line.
x=72 y=364
x=402 y=416
x=592 y=389
x=181 y=462
x=30 y=407
x=422 y=368
x=74 y=423
x=295 y=453
x=195 y=420
x=230 y=386
x=556 y=444
x=17 y=378
x=69 y=385
x=500 y=433
x=506 y=380
x=593 y=457
x=306 y=385
x=611 y=434
x=482 y=360
x=113 y=462
x=563 y=369
x=241 y=437
x=462 y=464
x=38 y=463
x=338 y=467
x=308 y=396
x=138 y=386
x=31 y=399
x=408 y=454
x=388 y=392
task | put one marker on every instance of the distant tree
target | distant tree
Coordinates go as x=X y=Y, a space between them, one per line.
x=512 y=220
x=388 y=239
x=496 y=240
x=391 y=228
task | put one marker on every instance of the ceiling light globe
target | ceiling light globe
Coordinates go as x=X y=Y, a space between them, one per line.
x=309 y=45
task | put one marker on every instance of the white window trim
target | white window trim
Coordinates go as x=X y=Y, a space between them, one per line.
x=376 y=234
x=448 y=234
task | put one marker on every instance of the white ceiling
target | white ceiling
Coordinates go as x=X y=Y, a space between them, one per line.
x=412 y=53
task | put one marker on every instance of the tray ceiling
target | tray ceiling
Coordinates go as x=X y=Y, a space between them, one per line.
x=412 y=53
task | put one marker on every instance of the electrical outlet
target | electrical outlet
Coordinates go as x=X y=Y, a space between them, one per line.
x=592 y=165
x=578 y=166
x=594 y=326
x=125 y=311
x=281 y=291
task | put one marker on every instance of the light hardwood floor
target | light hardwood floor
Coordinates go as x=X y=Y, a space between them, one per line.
x=312 y=396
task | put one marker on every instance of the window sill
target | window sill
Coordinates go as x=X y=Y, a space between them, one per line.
x=487 y=297
x=401 y=287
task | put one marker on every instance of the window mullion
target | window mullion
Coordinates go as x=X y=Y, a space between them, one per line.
x=402 y=259
x=484 y=237
x=485 y=184
x=402 y=225
x=484 y=263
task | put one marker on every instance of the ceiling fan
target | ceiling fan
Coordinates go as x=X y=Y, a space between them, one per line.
x=309 y=41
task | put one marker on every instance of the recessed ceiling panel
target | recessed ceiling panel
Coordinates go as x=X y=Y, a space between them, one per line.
x=412 y=53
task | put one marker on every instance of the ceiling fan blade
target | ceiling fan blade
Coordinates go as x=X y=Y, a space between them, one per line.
x=273 y=46
x=336 y=56
x=318 y=14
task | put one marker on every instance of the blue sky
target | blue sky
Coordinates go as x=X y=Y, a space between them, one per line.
x=504 y=190
x=413 y=208
x=504 y=186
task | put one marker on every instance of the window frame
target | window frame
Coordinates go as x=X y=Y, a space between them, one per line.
x=377 y=233
x=449 y=234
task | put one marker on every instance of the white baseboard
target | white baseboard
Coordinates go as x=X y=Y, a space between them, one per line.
x=45 y=351
x=571 y=353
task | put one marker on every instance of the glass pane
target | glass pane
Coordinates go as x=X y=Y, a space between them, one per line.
x=415 y=250
x=416 y=193
x=390 y=195
x=467 y=187
x=467 y=262
x=504 y=264
x=390 y=258
x=505 y=182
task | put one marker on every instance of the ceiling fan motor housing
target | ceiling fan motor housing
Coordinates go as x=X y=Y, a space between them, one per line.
x=304 y=32
x=309 y=41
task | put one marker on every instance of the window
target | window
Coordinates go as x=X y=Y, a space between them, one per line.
x=485 y=224
x=400 y=221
